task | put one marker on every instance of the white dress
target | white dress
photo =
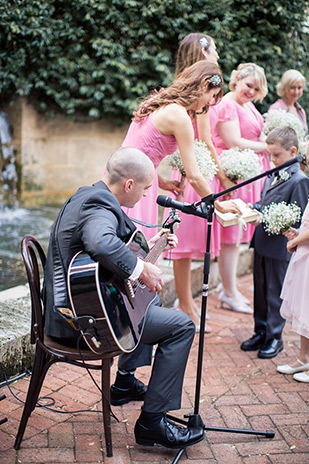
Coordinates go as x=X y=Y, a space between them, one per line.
x=295 y=289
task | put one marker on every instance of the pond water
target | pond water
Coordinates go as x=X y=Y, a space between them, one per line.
x=15 y=223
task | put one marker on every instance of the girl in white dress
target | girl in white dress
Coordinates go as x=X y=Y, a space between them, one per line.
x=295 y=296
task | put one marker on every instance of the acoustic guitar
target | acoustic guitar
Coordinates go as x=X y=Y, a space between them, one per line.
x=114 y=310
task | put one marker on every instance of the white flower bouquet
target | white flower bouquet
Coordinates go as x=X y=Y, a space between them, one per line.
x=240 y=164
x=281 y=118
x=205 y=162
x=278 y=217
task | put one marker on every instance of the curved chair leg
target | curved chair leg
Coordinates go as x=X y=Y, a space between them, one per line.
x=40 y=367
x=105 y=383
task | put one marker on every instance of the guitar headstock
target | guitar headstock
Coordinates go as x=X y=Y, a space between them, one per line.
x=173 y=220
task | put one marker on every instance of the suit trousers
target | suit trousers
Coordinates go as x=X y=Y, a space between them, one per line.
x=173 y=332
x=269 y=274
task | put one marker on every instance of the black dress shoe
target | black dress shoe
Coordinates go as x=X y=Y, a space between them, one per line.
x=254 y=343
x=124 y=395
x=168 y=434
x=271 y=348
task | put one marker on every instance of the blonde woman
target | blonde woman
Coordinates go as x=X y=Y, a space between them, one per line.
x=290 y=88
x=239 y=124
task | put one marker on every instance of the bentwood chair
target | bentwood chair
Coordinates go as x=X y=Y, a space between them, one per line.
x=47 y=352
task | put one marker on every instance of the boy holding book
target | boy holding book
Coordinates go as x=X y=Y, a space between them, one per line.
x=270 y=255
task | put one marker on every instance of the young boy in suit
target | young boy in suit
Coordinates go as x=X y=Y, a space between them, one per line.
x=270 y=255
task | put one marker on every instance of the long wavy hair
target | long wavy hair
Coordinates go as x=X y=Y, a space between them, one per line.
x=190 y=50
x=185 y=90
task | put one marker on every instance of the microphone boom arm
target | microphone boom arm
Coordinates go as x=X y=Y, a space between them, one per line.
x=213 y=196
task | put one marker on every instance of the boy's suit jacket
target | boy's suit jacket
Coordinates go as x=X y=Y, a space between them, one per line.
x=295 y=189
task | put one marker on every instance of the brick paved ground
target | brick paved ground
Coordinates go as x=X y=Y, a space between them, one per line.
x=238 y=390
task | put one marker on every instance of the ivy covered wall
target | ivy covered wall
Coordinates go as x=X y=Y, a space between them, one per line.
x=97 y=57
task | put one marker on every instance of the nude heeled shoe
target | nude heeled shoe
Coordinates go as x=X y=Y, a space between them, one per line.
x=219 y=289
x=239 y=307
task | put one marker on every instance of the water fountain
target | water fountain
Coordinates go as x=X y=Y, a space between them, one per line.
x=8 y=174
x=15 y=222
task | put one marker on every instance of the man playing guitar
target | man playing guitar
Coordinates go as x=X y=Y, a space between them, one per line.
x=92 y=221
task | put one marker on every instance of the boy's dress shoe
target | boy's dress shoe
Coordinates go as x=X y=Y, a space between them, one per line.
x=286 y=369
x=124 y=395
x=167 y=434
x=254 y=343
x=271 y=348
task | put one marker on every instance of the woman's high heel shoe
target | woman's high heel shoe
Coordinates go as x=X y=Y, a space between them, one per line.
x=239 y=307
x=219 y=289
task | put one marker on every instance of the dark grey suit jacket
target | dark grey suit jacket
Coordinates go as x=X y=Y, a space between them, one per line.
x=295 y=189
x=91 y=221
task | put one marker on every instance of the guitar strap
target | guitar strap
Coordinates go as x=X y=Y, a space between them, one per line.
x=145 y=224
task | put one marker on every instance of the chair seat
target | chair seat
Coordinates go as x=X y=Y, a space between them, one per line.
x=57 y=349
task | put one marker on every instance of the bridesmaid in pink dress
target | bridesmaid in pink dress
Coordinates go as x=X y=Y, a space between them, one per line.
x=290 y=89
x=239 y=124
x=145 y=136
x=163 y=122
x=192 y=234
x=295 y=296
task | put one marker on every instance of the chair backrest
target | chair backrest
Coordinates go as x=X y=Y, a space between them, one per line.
x=34 y=255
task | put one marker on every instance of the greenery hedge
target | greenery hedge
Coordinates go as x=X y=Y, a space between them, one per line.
x=97 y=57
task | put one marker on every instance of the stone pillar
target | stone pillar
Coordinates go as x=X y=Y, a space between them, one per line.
x=56 y=156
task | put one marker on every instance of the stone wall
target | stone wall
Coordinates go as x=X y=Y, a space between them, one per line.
x=56 y=156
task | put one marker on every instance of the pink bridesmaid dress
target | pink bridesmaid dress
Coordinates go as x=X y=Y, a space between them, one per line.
x=145 y=136
x=251 y=126
x=192 y=232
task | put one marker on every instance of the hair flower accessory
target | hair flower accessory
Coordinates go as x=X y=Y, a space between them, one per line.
x=204 y=43
x=215 y=80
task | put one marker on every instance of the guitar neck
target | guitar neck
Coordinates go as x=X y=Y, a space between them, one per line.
x=157 y=249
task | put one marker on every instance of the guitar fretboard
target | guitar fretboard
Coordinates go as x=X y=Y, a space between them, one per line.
x=157 y=249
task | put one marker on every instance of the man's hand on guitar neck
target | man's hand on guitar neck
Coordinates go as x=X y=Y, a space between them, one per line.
x=172 y=240
x=152 y=277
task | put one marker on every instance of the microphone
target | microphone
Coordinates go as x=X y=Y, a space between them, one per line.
x=186 y=208
x=168 y=202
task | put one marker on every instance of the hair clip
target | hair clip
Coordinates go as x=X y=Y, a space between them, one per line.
x=243 y=72
x=215 y=80
x=204 y=43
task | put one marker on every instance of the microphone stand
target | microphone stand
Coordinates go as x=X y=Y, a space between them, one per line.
x=206 y=210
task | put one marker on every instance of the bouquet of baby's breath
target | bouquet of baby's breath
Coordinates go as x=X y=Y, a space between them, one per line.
x=278 y=217
x=281 y=118
x=240 y=164
x=205 y=162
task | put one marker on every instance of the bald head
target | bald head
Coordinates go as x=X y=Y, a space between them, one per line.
x=128 y=163
x=129 y=175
